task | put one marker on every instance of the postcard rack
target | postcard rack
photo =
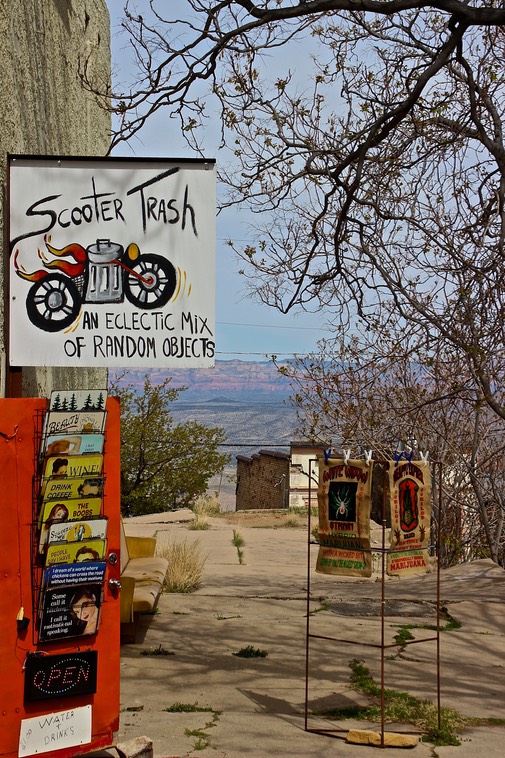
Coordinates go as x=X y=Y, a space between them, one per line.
x=70 y=441
x=60 y=654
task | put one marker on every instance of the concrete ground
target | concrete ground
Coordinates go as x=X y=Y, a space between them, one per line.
x=255 y=707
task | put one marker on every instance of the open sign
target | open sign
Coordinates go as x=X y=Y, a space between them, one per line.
x=55 y=676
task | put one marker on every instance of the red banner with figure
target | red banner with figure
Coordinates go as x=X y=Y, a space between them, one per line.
x=410 y=510
x=344 y=517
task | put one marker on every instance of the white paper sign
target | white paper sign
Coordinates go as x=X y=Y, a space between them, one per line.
x=112 y=262
x=55 y=731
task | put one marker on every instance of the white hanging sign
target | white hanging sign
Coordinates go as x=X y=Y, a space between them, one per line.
x=55 y=731
x=112 y=262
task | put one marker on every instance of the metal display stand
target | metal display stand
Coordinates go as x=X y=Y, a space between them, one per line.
x=382 y=646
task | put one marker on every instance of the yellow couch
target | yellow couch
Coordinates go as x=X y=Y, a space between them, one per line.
x=142 y=577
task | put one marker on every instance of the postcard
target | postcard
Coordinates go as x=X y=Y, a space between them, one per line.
x=73 y=444
x=74 y=422
x=77 y=531
x=75 y=552
x=78 y=400
x=70 y=612
x=78 y=487
x=60 y=466
x=74 y=573
x=56 y=511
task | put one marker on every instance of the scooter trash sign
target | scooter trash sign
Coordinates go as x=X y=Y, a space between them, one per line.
x=55 y=731
x=112 y=262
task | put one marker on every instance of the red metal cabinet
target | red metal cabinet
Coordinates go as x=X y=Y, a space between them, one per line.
x=20 y=434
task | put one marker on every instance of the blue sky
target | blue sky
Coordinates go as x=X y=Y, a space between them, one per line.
x=245 y=329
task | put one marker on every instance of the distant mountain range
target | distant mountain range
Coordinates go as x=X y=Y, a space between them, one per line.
x=227 y=381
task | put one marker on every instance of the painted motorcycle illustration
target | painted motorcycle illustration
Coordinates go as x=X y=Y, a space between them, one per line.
x=102 y=273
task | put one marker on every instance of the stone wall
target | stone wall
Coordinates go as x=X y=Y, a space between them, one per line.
x=262 y=481
x=46 y=111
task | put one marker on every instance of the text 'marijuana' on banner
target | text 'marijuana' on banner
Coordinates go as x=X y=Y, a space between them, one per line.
x=410 y=511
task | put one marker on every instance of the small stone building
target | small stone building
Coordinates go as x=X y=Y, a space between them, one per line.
x=262 y=481
x=271 y=479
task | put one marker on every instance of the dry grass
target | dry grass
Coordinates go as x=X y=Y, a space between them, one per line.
x=185 y=566
x=293 y=522
x=199 y=522
x=267 y=519
x=207 y=505
x=203 y=507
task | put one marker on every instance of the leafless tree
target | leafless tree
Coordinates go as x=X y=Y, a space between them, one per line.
x=366 y=397
x=367 y=136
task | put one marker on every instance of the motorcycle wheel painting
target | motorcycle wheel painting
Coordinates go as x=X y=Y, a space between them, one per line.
x=53 y=303
x=151 y=282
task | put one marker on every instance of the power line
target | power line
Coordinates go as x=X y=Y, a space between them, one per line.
x=265 y=355
x=235 y=239
x=271 y=326
x=255 y=444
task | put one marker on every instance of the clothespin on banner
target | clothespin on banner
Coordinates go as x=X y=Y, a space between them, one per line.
x=368 y=457
x=327 y=454
x=424 y=457
x=347 y=455
x=397 y=455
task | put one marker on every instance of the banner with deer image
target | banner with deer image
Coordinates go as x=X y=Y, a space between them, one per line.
x=344 y=517
x=410 y=511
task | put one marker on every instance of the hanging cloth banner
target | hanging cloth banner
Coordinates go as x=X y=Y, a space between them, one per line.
x=410 y=511
x=344 y=517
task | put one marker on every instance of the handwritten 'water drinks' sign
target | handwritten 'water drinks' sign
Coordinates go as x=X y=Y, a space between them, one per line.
x=63 y=729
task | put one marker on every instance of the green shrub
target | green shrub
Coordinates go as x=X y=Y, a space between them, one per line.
x=251 y=652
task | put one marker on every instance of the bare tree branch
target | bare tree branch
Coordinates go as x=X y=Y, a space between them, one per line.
x=367 y=139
